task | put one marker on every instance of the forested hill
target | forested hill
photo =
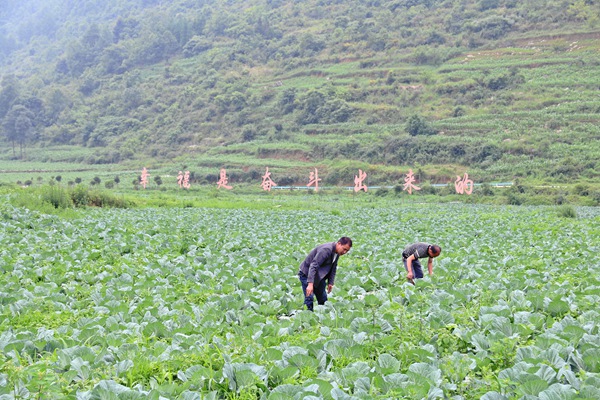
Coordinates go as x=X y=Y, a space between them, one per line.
x=504 y=88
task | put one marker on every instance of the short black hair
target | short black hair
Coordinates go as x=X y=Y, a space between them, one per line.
x=435 y=249
x=345 y=240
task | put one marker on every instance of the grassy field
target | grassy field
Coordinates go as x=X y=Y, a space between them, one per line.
x=32 y=180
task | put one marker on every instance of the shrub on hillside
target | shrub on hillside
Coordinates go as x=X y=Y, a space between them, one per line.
x=102 y=199
x=492 y=27
x=581 y=189
x=82 y=196
x=79 y=196
x=428 y=188
x=417 y=125
x=513 y=199
x=487 y=190
x=317 y=107
x=382 y=192
x=196 y=45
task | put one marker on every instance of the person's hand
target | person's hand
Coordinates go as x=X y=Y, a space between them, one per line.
x=329 y=288
x=309 y=289
x=410 y=276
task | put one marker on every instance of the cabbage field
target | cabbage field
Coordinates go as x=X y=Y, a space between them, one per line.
x=205 y=303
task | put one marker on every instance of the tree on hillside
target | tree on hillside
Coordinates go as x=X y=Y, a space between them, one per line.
x=196 y=45
x=155 y=47
x=583 y=10
x=311 y=102
x=8 y=94
x=318 y=107
x=310 y=44
x=287 y=100
x=112 y=58
x=57 y=102
x=7 y=45
x=85 y=52
x=417 y=125
x=37 y=107
x=18 y=126
x=125 y=29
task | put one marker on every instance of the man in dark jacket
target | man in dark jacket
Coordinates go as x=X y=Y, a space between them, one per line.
x=318 y=270
x=411 y=255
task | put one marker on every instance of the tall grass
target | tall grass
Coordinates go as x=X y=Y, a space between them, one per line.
x=50 y=198
x=566 y=211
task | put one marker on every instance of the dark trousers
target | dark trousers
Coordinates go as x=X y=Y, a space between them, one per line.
x=416 y=266
x=318 y=290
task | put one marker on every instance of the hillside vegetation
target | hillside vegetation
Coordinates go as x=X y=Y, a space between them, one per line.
x=503 y=89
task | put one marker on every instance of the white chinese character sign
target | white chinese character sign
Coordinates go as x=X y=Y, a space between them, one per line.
x=222 y=183
x=463 y=185
x=267 y=182
x=314 y=179
x=183 y=179
x=358 y=181
x=144 y=178
x=409 y=182
x=186 y=179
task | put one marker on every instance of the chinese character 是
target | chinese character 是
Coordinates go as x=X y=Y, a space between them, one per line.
x=223 y=180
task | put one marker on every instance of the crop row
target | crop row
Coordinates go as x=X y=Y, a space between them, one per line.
x=205 y=303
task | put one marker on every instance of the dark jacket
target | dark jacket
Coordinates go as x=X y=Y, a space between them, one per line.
x=419 y=250
x=319 y=264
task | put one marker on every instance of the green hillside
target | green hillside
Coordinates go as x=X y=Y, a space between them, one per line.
x=502 y=89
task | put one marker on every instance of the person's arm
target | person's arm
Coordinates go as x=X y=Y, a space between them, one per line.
x=331 y=280
x=430 y=265
x=317 y=261
x=410 y=273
